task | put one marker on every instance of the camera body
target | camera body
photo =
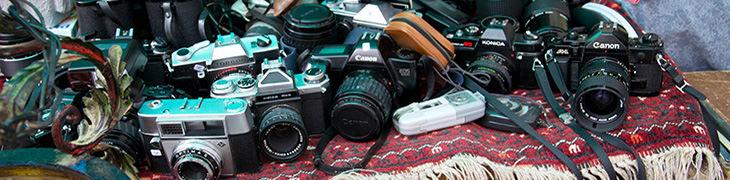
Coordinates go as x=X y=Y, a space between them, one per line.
x=199 y=65
x=488 y=50
x=289 y=108
x=198 y=137
x=370 y=74
x=610 y=40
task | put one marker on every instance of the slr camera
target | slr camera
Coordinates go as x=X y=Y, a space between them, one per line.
x=199 y=138
x=603 y=68
x=369 y=83
x=197 y=66
x=289 y=108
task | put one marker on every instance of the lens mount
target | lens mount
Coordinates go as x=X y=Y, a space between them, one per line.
x=282 y=134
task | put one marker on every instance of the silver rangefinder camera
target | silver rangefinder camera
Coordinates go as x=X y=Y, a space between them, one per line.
x=199 y=138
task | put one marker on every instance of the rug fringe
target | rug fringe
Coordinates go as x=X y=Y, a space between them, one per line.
x=680 y=162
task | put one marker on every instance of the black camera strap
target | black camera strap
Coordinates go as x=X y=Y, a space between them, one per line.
x=471 y=83
x=568 y=120
x=108 y=12
x=712 y=119
x=332 y=170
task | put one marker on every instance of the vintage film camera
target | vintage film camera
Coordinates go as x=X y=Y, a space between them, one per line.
x=370 y=82
x=290 y=108
x=603 y=68
x=197 y=66
x=199 y=138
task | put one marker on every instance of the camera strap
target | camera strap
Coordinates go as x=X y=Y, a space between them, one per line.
x=168 y=14
x=712 y=119
x=471 y=83
x=333 y=170
x=108 y=12
x=568 y=120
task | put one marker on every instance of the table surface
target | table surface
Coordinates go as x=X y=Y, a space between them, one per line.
x=716 y=86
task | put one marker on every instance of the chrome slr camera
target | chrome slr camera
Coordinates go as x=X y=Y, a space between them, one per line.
x=199 y=138
x=288 y=108
x=197 y=66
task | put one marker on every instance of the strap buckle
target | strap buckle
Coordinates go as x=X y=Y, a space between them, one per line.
x=681 y=85
x=566 y=117
x=537 y=64
x=549 y=56
x=663 y=63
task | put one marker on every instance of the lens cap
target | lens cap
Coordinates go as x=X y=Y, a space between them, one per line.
x=310 y=16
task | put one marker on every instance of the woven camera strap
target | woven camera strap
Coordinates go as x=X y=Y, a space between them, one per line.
x=168 y=14
x=712 y=119
x=568 y=120
x=471 y=83
x=108 y=12
x=332 y=170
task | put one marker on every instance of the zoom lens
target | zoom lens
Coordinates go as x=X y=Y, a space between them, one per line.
x=309 y=25
x=362 y=106
x=125 y=136
x=282 y=134
x=602 y=95
x=196 y=159
x=18 y=49
x=494 y=68
x=547 y=18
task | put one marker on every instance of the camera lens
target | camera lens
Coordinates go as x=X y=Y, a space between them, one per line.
x=362 y=106
x=602 y=94
x=282 y=134
x=547 y=18
x=196 y=159
x=309 y=25
x=18 y=49
x=126 y=138
x=495 y=68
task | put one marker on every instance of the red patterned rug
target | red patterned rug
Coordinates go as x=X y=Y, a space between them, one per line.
x=667 y=130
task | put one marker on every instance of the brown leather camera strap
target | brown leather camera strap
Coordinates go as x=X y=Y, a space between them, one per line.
x=411 y=32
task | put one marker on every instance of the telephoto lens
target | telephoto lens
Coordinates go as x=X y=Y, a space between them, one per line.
x=282 y=134
x=362 y=105
x=602 y=96
x=547 y=18
x=18 y=48
x=309 y=25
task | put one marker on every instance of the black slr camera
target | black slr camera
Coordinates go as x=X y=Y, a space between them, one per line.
x=372 y=73
x=603 y=68
x=289 y=107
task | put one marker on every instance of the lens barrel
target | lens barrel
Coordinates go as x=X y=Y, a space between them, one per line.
x=602 y=95
x=282 y=134
x=196 y=159
x=309 y=25
x=362 y=106
x=497 y=67
x=18 y=48
x=547 y=18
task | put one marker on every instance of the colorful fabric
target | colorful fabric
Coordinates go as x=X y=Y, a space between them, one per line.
x=667 y=130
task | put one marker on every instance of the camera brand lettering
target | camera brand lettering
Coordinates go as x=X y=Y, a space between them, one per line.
x=365 y=58
x=276 y=96
x=493 y=43
x=562 y=52
x=599 y=45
